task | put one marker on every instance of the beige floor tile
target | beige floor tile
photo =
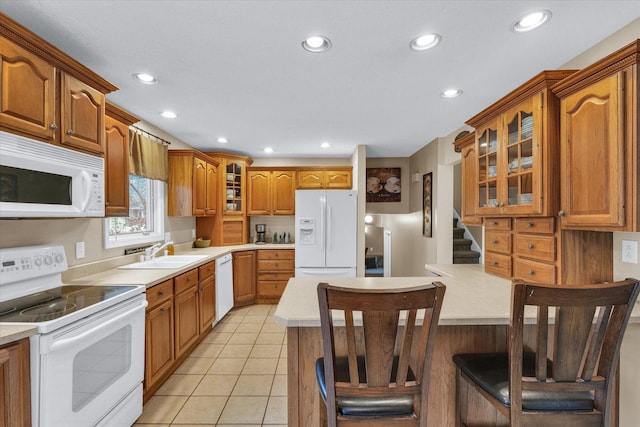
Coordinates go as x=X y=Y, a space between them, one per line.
x=262 y=308
x=257 y=366
x=207 y=350
x=226 y=327
x=196 y=425
x=238 y=351
x=279 y=387
x=233 y=318
x=249 y=327
x=270 y=338
x=227 y=366
x=161 y=409
x=216 y=385
x=243 y=338
x=282 y=367
x=179 y=385
x=266 y=350
x=273 y=327
x=195 y=366
x=253 y=385
x=151 y=425
x=276 y=412
x=244 y=409
x=201 y=410
x=217 y=337
x=255 y=318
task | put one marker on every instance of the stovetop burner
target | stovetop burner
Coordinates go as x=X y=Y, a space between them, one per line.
x=57 y=302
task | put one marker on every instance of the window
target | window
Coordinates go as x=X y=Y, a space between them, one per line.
x=145 y=222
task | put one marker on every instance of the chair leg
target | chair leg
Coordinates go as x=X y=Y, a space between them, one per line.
x=462 y=394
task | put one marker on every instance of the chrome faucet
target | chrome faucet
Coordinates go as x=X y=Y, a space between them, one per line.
x=151 y=251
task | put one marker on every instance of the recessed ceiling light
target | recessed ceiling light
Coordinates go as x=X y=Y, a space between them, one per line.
x=268 y=150
x=325 y=145
x=223 y=140
x=145 y=78
x=451 y=93
x=316 y=44
x=425 y=41
x=531 y=21
x=168 y=114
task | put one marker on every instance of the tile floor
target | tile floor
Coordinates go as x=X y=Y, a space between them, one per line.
x=236 y=377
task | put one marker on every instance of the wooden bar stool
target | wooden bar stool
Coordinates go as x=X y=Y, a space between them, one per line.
x=570 y=385
x=377 y=375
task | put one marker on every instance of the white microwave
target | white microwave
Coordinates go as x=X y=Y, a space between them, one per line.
x=40 y=180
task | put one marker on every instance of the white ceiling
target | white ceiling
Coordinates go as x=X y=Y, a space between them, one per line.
x=236 y=68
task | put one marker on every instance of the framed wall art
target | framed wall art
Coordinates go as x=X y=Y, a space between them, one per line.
x=383 y=185
x=427 y=196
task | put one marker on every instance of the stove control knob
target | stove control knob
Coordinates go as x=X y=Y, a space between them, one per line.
x=38 y=261
x=48 y=260
x=59 y=258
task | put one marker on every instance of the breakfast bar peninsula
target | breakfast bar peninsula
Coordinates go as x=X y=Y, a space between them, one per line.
x=474 y=318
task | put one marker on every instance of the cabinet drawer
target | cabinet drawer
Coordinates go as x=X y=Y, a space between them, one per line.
x=275 y=254
x=502 y=224
x=534 y=225
x=539 y=247
x=186 y=280
x=496 y=241
x=532 y=271
x=279 y=264
x=159 y=293
x=206 y=270
x=275 y=275
x=497 y=264
x=271 y=288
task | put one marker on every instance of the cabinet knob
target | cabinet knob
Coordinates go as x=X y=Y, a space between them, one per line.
x=162 y=310
x=494 y=262
x=530 y=272
x=494 y=241
x=161 y=293
x=70 y=132
x=494 y=222
x=561 y=213
x=53 y=126
x=529 y=225
x=501 y=204
x=106 y=203
x=529 y=246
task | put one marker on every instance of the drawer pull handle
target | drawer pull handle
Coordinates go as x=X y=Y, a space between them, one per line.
x=530 y=272
x=161 y=293
x=494 y=223
x=53 y=126
x=530 y=246
x=494 y=241
x=529 y=225
x=70 y=132
x=494 y=262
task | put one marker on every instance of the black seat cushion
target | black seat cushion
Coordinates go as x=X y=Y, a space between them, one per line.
x=490 y=371
x=365 y=406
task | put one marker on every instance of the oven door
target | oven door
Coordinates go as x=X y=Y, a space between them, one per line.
x=88 y=368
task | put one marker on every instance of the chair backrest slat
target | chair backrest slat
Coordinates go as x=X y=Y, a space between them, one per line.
x=351 y=347
x=405 y=347
x=542 y=343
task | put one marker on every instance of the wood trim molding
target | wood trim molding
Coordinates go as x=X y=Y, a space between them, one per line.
x=25 y=38
x=119 y=114
x=300 y=168
x=230 y=156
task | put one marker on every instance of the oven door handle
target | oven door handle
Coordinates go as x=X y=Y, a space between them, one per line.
x=64 y=343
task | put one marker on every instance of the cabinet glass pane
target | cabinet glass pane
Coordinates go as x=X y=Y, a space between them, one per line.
x=491 y=194
x=233 y=187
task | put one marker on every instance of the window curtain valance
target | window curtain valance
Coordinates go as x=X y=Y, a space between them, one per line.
x=148 y=158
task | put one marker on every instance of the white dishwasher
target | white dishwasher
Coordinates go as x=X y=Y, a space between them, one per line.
x=224 y=286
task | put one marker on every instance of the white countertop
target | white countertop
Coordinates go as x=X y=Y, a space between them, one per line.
x=472 y=296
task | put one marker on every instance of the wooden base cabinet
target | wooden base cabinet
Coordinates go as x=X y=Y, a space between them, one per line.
x=187 y=314
x=600 y=159
x=159 y=334
x=207 y=296
x=15 y=383
x=275 y=267
x=244 y=278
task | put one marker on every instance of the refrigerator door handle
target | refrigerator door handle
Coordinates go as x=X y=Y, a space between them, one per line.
x=329 y=220
x=323 y=222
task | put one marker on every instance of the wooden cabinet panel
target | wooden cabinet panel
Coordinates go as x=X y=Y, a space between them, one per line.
x=275 y=267
x=244 y=278
x=538 y=247
x=310 y=180
x=211 y=189
x=532 y=271
x=234 y=232
x=326 y=177
x=271 y=289
x=534 y=225
x=28 y=93
x=258 y=193
x=338 y=179
x=497 y=264
x=116 y=168
x=206 y=270
x=199 y=187
x=207 y=303
x=283 y=193
x=501 y=224
x=186 y=280
x=267 y=254
x=160 y=293
x=497 y=241
x=270 y=192
x=275 y=264
x=469 y=178
x=159 y=339
x=82 y=111
x=192 y=184
x=187 y=320
x=15 y=383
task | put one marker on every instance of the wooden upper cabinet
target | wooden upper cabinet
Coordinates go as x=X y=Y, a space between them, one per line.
x=324 y=178
x=116 y=162
x=82 y=110
x=27 y=93
x=469 y=179
x=192 y=184
x=517 y=151
x=599 y=138
x=270 y=192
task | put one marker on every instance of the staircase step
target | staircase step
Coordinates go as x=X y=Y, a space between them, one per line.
x=461 y=244
x=455 y=222
x=466 y=257
x=458 y=233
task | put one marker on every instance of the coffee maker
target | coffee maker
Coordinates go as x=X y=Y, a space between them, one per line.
x=261 y=234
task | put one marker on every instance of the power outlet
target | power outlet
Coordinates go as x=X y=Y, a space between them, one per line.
x=79 y=250
x=630 y=251
x=193 y=233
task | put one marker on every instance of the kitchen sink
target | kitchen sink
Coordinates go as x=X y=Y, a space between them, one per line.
x=164 y=262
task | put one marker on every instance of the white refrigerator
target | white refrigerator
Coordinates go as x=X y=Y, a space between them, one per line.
x=326 y=228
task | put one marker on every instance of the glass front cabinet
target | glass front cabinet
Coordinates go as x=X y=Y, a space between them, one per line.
x=517 y=146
